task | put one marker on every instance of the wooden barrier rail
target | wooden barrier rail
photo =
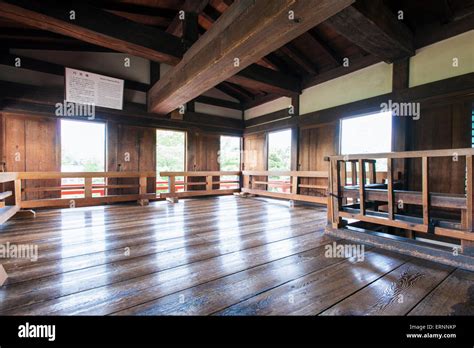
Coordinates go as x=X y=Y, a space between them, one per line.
x=294 y=183
x=364 y=194
x=7 y=211
x=142 y=196
x=208 y=182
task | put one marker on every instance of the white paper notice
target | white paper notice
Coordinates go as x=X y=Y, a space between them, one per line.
x=83 y=87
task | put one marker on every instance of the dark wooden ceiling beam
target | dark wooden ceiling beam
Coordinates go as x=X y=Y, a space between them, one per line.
x=299 y=58
x=95 y=26
x=264 y=79
x=313 y=39
x=218 y=102
x=374 y=28
x=56 y=69
x=189 y=6
x=252 y=30
x=235 y=91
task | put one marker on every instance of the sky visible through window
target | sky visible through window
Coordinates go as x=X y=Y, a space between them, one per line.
x=170 y=156
x=82 y=146
x=367 y=134
x=279 y=150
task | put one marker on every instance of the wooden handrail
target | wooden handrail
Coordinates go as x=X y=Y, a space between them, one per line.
x=360 y=195
x=142 y=196
x=404 y=154
x=293 y=184
x=173 y=195
x=9 y=210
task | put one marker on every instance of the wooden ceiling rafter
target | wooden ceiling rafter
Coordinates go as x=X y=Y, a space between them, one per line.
x=249 y=37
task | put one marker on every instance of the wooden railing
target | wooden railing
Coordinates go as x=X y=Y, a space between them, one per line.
x=252 y=178
x=364 y=195
x=88 y=188
x=14 y=184
x=209 y=180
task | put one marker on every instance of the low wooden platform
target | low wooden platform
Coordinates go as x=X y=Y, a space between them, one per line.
x=213 y=256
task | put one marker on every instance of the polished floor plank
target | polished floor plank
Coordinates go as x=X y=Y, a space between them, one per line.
x=123 y=238
x=397 y=292
x=218 y=255
x=454 y=296
x=205 y=299
x=136 y=290
x=315 y=292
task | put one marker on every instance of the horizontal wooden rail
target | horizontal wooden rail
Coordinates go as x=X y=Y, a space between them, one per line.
x=87 y=189
x=9 y=209
x=249 y=182
x=211 y=184
x=365 y=199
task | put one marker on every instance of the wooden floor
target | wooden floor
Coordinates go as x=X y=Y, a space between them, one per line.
x=214 y=256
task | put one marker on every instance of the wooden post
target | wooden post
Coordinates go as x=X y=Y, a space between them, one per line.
x=390 y=188
x=294 y=184
x=18 y=192
x=171 y=184
x=425 y=190
x=468 y=246
x=142 y=190
x=362 y=186
x=353 y=173
x=372 y=173
x=172 y=188
x=3 y=275
x=469 y=194
x=209 y=183
x=344 y=173
x=336 y=193
x=88 y=187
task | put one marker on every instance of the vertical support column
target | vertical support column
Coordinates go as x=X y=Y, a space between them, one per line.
x=18 y=192
x=88 y=187
x=362 y=186
x=294 y=184
x=353 y=173
x=468 y=246
x=209 y=183
x=335 y=193
x=425 y=190
x=171 y=184
x=142 y=190
x=390 y=188
x=372 y=173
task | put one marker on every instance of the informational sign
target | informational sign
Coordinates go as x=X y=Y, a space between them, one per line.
x=83 y=87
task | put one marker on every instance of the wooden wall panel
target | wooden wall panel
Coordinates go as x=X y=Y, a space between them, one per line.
x=129 y=149
x=255 y=155
x=202 y=154
x=32 y=144
x=315 y=144
x=441 y=127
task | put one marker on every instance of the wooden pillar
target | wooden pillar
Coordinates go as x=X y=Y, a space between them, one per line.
x=468 y=246
x=425 y=190
x=88 y=187
x=390 y=188
x=362 y=186
x=400 y=81
x=335 y=193
x=209 y=183
x=353 y=173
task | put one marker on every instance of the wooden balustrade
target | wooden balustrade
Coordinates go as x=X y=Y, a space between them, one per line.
x=207 y=182
x=294 y=184
x=142 y=196
x=8 y=210
x=366 y=197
